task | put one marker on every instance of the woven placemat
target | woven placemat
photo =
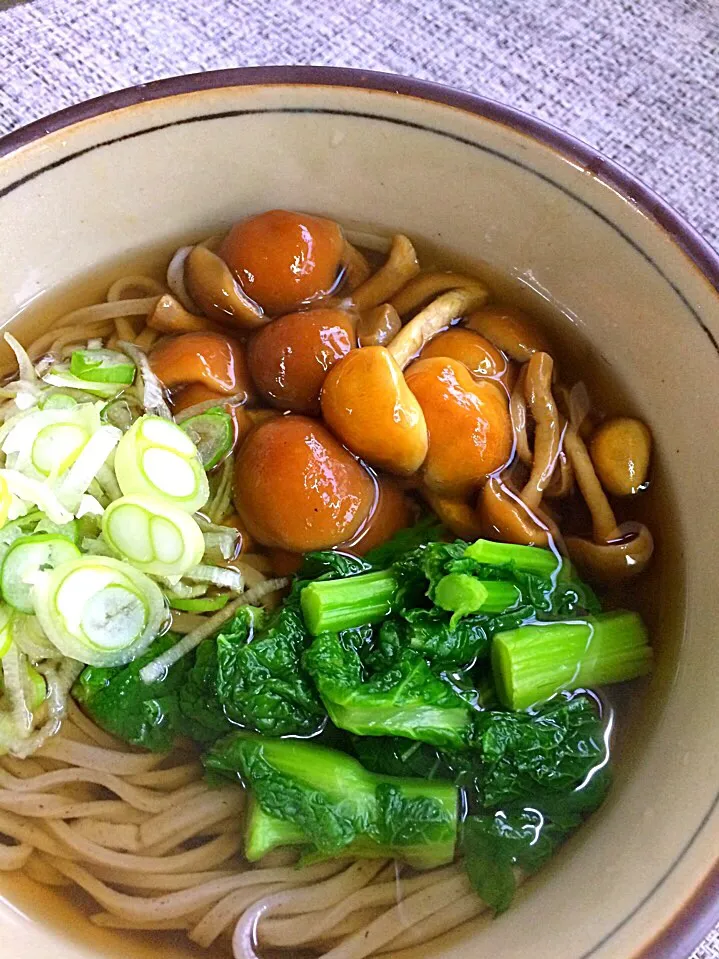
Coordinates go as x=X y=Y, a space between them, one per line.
x=638 y=80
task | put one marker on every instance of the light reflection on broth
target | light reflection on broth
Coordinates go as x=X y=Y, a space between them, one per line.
x=576 y=361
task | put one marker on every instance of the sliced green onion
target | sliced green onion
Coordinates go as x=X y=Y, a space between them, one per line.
x=212 y=433
x=102 y=366
x=68 y=380
x=6 y=616
x=122 y=412
x=154 y=536
x=48 y=441
x=203 y=604
x=26 y=558
x=56 y=447
x=99 y=610
x=532 y=663
x=526 y=559
x=157 y=458
x=35 y=687
x=57 y=400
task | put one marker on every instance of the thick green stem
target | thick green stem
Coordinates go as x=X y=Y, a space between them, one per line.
x=534 y=662
x=526 y=559
x=337 y=604
x=463 y=594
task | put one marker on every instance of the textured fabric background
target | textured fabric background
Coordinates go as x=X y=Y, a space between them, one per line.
x=639 y=80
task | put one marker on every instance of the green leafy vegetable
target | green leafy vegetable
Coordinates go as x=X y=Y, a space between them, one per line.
x=534 y=662
x=339 y=807
x=525 y=756
x=146 y=715
x=426 y=530
x=260 y=679
x=406 y=699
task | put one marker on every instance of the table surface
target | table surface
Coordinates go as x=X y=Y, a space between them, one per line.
x=638 y=79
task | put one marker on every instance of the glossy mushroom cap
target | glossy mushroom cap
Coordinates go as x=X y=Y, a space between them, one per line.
x=284 y=259
x=297 y=489
x=470 y=431
x=290 y=357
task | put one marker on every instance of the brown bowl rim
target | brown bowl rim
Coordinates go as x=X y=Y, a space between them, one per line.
x=701 y=910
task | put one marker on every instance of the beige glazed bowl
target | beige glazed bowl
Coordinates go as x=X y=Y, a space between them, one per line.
x=139 y=168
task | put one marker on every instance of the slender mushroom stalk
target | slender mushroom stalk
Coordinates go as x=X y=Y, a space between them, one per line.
x=423 y=288
x=217 y=293
x=626 y=556
x=176 y=278
x=548 y=433
x=518 y=412
x=562 y=482
x=616 y=552
x=430 y=321
x=504 y=516
x=603 y=520
x=356 y=268
x=401 y=265
x=170 y=316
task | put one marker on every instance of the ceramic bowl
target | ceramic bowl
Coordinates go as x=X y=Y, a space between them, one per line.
x=138 y=168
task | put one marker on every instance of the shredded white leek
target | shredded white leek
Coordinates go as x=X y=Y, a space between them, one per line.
x=33 y=491
x=218 y=576
x=158 y=667
x=82 y=472
x=24 y=363
x=222 y=540
x=153 y=396
x=13 y=665
x=89 y=506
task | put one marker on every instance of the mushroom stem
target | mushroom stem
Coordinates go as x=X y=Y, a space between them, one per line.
x=213 y=287
x=603 y=519
x=401 y=265
x=623 y=558
x=424 y=287
x=548 y=435
x=562 y=482
x=430 y=321
x=170 y=316
x=357 y=269
x=506 y=517
x=518 y=412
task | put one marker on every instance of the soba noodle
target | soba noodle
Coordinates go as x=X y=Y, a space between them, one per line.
x=164 y=853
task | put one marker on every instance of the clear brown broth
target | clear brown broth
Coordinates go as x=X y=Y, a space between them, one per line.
x=658 y=594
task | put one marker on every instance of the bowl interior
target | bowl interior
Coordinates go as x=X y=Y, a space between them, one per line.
x=564 y=241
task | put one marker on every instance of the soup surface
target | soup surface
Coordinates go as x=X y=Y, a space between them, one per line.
x=317 y=553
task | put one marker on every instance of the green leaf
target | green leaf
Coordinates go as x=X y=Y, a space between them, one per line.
x=525 y=756
x=142 y=714
x=339 y=807
x=427 y=530
x=260 y=679
x=404 y=699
